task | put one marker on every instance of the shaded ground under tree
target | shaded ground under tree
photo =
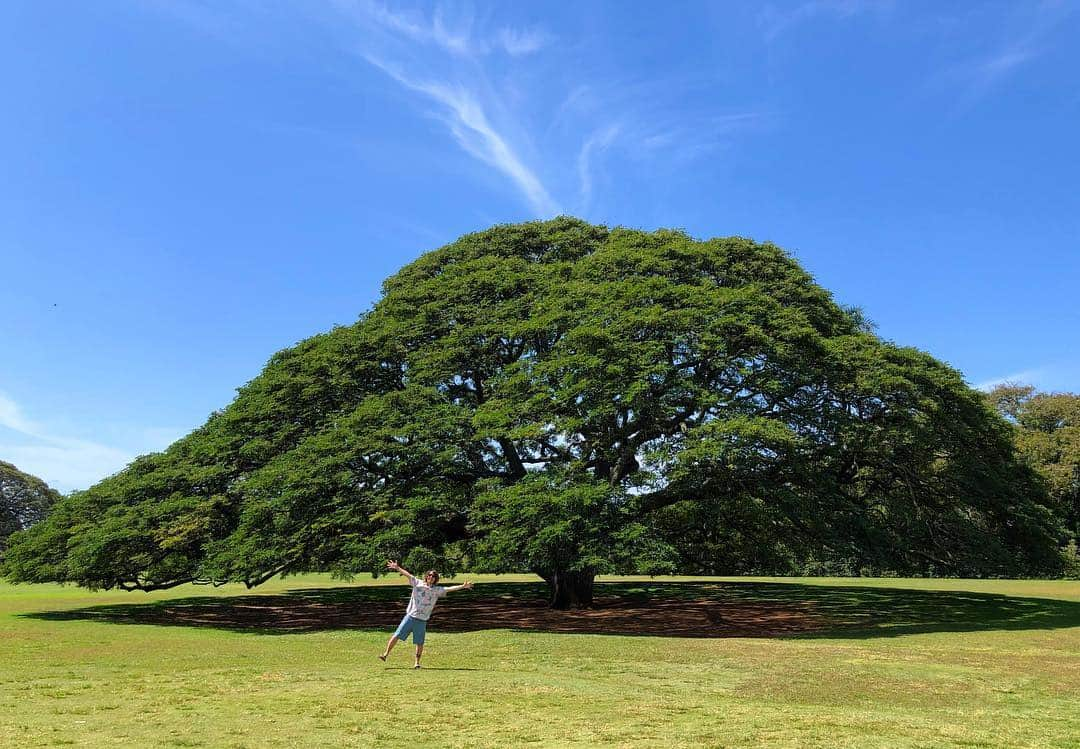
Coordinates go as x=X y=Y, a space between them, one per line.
x=671 y=609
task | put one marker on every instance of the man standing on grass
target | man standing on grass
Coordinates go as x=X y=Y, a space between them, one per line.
x=422 y=602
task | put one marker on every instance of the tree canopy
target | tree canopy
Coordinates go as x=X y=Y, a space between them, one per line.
x=1048 y=437
x=572 y=399
x=24 y=500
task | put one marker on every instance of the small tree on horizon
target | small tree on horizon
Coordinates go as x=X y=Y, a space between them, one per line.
x=24 y=501
x=571 y=400
x=1048 y=437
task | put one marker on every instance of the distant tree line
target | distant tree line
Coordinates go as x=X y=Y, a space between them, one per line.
x=1046 y=430
x=24 y=501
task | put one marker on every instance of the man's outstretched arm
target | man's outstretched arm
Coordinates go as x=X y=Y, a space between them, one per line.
x=391 y=564
x=463 y=586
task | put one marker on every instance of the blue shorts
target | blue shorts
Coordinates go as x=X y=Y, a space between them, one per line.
x=418 y=628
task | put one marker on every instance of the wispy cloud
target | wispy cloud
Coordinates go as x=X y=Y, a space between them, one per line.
x=1025 y=377
x=66 y=466
x=649 y=123
x=598 y=142
x=457 y=35
x=458 y=83
x=419 y=28
x=1025 y=36
x=470 y=126
x=775 y=21
x=685 y=141
x=63 y=462
x=497 y=93
x=12 y=418
x=67 y=463
x=519 y=42
x=976 y=77
x=1062 y=375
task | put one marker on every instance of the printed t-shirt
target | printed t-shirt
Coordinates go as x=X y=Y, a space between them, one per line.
x=423 y=599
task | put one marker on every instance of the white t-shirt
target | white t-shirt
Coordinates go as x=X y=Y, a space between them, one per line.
x=423 y=599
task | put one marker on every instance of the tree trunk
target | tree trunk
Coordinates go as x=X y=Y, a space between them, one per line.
x=570 y=590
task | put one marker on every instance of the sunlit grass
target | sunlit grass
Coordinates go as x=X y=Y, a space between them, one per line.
x=977 y=663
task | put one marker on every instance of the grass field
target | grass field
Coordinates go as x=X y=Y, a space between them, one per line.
x=667 y=662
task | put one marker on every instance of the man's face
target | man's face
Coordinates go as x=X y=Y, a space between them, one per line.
x=431 y=578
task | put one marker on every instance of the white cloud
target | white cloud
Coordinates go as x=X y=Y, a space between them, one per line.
x=974 y=78
x=471 y=127
x=12 y=418
x=1002 y=63
x=519 y=42
x=1025 y=377
x=598 y=142
x=414 y=26
x=449 y=55
x=456 y=82
x=491 y=112
x=685 y=142
x=1025 y=34
x=775 y=22
x=65 y=463
x=455 y=36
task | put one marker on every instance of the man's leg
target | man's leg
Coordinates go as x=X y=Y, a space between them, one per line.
x=389 y=646
x=418 y=636
x=401 y=633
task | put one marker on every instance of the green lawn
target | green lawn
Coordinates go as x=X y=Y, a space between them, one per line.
x=702 y=662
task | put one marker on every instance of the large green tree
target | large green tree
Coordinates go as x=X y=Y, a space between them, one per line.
x=1048 y=437
x=24 y=500
x=572 y=399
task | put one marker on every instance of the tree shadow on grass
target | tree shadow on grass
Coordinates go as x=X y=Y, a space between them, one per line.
x=664 y=609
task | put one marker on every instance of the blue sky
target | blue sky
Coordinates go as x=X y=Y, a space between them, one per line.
x=190 y=186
